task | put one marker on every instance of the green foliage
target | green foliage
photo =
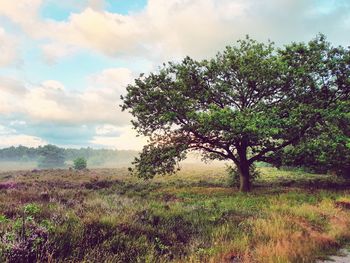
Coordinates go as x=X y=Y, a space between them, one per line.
x=243 y=105
x=18 y=153
x=154 y=160
x=24 y=240
x=51 y=156
x=31 y=209
x=80 y=163
x=326 y=150
x=3 y=218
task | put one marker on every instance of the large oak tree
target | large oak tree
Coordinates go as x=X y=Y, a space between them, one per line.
x=243 y=105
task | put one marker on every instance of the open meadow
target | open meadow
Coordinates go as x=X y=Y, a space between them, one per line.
x=106 y=215
x=102 y=102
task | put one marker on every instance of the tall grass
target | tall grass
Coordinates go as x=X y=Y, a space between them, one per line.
x=104 y=215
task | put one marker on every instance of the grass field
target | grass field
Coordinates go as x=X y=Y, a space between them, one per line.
x=15 y=166
x=105 y=215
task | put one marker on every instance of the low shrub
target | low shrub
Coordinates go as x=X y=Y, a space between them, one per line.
x=25 y=239
x=80 y=163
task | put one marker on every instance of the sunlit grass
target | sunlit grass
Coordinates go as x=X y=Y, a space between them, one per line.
x=106 y=215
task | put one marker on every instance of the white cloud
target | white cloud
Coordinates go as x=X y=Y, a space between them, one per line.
x=107 y=130
x=11 y=93
x=127 y=139
x=18 y=123
x=11 y=85
x=54 y=51
x=174 y=28
x=52 y=102
x=24 y=13
x=101 y=100
x=98 y=30
x=111 y=79
x=97 y=4
x=20 y=139
x=47 y=103
x=8 y=49
x=9 y=137
x=6 y=131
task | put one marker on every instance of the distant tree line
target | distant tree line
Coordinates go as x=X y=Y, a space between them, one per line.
x=53 y=156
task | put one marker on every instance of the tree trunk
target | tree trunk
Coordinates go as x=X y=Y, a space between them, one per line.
x=243 y=166
x=244 y=177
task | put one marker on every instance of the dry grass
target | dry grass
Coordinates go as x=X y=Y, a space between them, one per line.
x=107 y=216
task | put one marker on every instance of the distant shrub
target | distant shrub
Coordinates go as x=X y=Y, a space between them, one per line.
x=80 y=163
x=233 y=174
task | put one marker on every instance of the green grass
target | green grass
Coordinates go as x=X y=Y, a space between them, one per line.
x=105 y=215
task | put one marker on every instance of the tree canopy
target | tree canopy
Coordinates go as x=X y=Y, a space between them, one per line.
x=325 y=150
x=245 y=104
x=80 y=163
x=51 y=156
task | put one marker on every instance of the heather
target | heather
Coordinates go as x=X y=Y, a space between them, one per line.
x=106 y=215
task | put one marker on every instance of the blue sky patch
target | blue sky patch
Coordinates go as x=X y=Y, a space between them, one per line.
x=125 y=7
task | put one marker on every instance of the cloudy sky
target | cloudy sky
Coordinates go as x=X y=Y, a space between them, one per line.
x=65 y=63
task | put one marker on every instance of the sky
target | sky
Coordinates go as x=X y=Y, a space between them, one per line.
x=65 y=63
